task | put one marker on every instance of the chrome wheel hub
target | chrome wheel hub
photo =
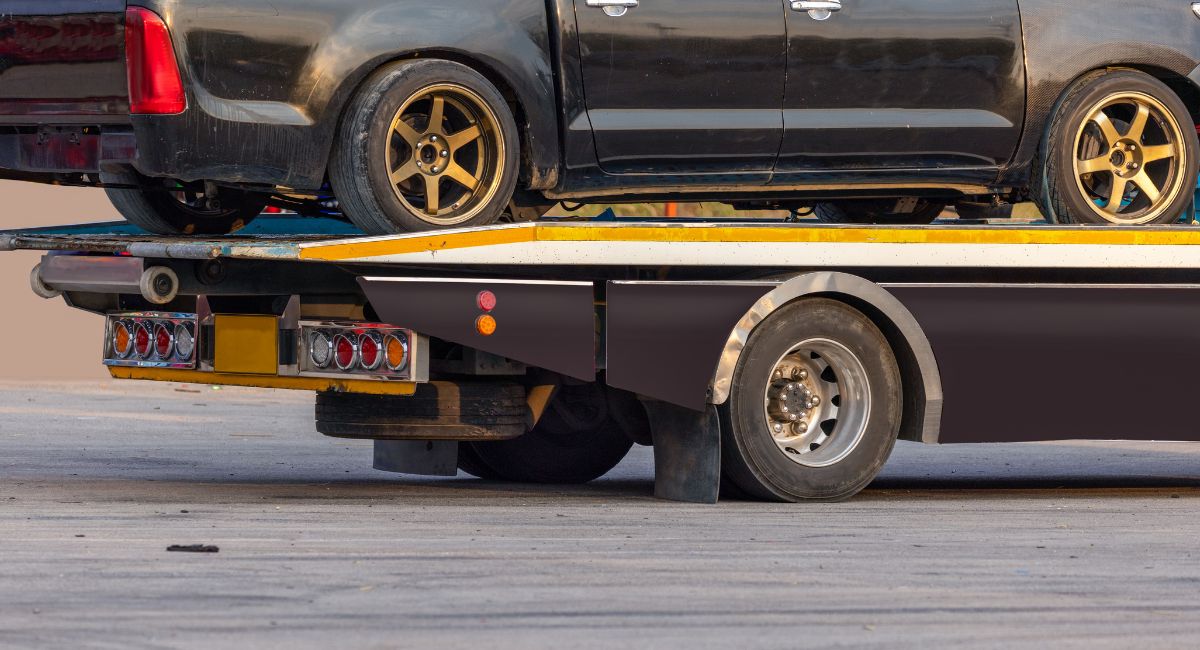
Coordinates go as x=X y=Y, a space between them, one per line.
x=817 y=403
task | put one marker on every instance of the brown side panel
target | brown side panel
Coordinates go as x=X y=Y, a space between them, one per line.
x=1096 y=363
x=665 y=340
x=547 y=325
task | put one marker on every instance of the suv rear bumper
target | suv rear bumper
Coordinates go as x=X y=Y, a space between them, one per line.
x=65 y=149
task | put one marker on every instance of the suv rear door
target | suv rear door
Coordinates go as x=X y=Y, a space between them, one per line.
x=62 y=58
x=683 y=86
x=910 y=84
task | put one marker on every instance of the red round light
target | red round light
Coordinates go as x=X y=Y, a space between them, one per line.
x=369 y=351
x=164 y=342
x=345 y=352
x=141 y=340
x=486 y=300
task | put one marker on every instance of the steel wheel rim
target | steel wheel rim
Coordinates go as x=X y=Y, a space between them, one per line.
x=445 y=154
x=817 y=403
x=1128 y=157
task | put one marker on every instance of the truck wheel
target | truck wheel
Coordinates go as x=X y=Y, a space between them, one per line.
x=1117 y=151
x=186 y=212
x=877 y=212
x=576 y=441
x=427 y=144
x=816 y=405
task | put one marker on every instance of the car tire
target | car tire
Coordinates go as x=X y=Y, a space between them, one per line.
x=577 y=440
x=877 y=212
x=781 y=444
x=164 y=212
x=394 y=170
x=1119 y=150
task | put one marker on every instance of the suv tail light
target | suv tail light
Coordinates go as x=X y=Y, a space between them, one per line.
x=155 y=85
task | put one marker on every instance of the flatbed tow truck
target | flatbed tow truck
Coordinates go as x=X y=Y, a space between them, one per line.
x=771 y=360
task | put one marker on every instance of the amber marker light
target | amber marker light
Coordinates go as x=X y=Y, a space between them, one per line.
x=485 y=325
x=396 y=352
x=122 y=339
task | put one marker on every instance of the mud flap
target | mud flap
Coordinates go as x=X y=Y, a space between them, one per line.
x=419 y=457
x=687 y=452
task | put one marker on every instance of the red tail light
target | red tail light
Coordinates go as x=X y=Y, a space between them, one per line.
x=155 y=85
x=142 y=340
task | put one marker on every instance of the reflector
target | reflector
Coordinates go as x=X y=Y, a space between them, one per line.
x=164 y=341
x=142 y=340
x=345 y=351
x=185 y=342
x=486 y=300
x=370 y=350
x=320 y=349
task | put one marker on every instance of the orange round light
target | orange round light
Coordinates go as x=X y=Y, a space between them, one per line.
x=485 y=325
x=122 y=340
x=396 y=352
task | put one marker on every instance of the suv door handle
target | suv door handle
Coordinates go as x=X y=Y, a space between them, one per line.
x=614 y=8
x=817 y=9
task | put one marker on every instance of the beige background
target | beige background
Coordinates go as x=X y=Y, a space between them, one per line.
x=44 y=339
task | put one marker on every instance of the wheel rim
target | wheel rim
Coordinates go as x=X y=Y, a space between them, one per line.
x=445 y=154
x=817 y=403
x=1129 y=158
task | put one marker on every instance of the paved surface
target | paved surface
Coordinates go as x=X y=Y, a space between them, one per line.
x=1063 y=545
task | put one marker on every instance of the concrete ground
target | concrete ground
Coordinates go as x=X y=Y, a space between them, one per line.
x=1059 y=545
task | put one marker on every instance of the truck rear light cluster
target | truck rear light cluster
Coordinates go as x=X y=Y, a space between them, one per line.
x=150 y=339
x=355 y=348
x=155 y=85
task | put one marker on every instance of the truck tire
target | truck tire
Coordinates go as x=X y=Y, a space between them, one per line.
x=1120 y=149
x=426 y=144
x=460 y=411
x=816 y=405
x=576 y=441
x=877 y=212
x=183 y=212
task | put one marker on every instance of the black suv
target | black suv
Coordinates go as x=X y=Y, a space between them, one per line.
x=419 y=114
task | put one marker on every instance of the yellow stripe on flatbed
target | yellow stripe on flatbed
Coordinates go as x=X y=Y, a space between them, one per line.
x=317 y=384
x=718 y=233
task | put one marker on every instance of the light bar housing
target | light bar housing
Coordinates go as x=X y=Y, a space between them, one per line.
x=152 y=320
x=329 y=332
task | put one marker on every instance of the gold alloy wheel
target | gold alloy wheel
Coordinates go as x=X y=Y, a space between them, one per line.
x=1129 y=158
x=446 y=155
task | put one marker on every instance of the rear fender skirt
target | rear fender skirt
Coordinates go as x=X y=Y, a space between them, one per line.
x=550 y=325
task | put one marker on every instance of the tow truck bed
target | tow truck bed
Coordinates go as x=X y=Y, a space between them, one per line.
x=1000 y=333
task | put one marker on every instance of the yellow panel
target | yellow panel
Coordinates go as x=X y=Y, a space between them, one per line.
x=319 y=384
x=247 y=345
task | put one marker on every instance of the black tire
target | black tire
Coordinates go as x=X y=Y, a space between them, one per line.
x=1073 y=135
x=359 y=167
x=983 y=211
x=163 y=212
x=470 y=462
x=752 y=458
x=576 y=441
x=877 y=212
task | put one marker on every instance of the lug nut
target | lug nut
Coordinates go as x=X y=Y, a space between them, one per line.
x=420 y=164
x=800 y=427
x=1134 y=166
x=436 y=170
x=778 y=373
x=445 y=153
x=778 y=428
x=815 y=401
x=433 y=138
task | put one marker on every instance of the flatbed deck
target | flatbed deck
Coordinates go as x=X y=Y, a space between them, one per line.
x=660 y=243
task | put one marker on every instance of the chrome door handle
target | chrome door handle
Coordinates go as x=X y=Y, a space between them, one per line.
x=817 y=9
x=614 y=8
